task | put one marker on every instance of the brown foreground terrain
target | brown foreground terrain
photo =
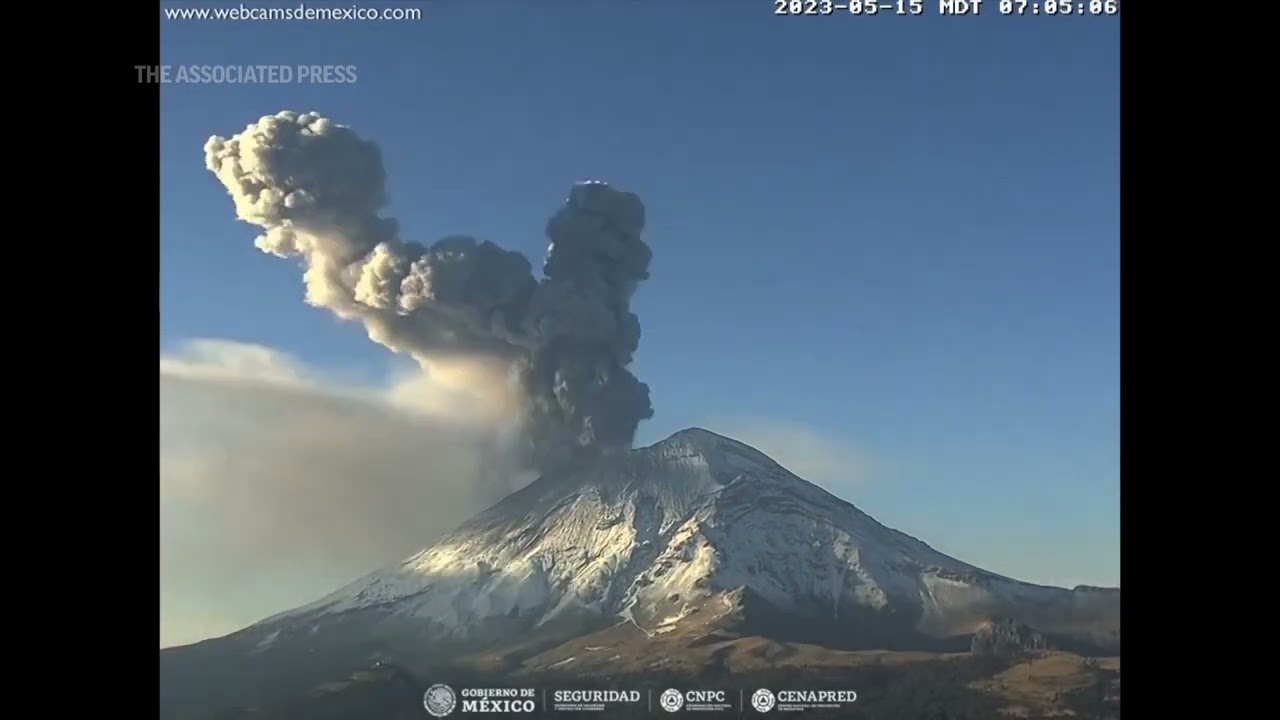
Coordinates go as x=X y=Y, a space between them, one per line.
x=890 y=685
x=709 y=648
x=714 y=649
x=1055 y=685
x=1014 y=673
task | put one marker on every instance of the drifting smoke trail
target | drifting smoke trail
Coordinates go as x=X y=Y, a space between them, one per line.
x=316 y=189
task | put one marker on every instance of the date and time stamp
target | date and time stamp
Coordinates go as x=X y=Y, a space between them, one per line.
x=1069 y=8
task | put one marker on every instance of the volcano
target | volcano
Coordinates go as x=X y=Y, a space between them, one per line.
x=698 y=538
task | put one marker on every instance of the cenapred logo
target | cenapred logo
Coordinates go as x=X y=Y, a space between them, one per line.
x=763 y=700
x=439 y=700
x=671 y=700
x=786 y=701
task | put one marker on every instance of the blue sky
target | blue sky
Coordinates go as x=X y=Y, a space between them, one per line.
x=897 y=236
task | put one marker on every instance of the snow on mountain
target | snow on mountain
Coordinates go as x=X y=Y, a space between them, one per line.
x=652 y=535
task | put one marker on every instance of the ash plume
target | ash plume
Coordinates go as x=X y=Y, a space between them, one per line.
x=563 y=341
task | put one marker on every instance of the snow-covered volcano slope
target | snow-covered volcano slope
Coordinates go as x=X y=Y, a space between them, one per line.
x=655 y=534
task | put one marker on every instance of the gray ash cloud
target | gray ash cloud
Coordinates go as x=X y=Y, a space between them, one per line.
x=317 y=190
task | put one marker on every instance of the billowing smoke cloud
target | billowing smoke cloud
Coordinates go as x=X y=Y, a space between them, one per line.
x=280 y=481
x=564 y=341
